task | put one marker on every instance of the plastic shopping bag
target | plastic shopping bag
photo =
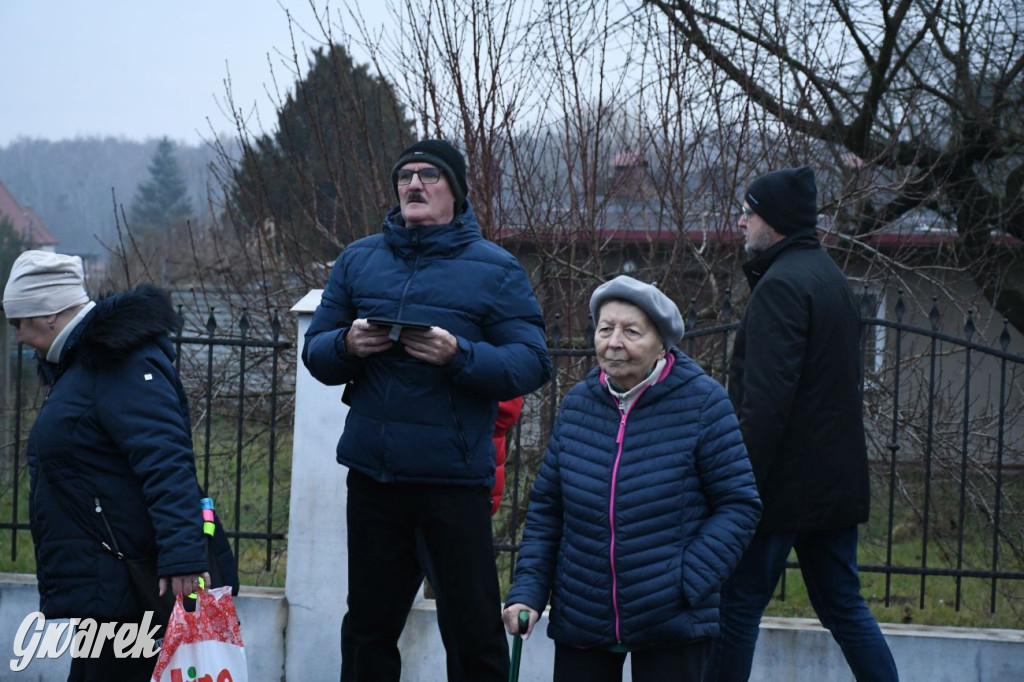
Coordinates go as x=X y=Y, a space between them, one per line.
x=205 y=645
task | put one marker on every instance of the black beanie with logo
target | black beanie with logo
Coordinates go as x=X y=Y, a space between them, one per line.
x=786 y=199
x=442 y=155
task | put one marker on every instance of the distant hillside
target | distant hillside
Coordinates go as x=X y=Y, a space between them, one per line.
x=70 y=184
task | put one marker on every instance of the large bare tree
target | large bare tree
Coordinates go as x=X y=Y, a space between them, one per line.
x=590 y=152
x=605 y=137
x=918 y=101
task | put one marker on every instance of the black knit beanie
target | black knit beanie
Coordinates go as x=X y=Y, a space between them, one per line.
x=444 y=156
x=786 y=199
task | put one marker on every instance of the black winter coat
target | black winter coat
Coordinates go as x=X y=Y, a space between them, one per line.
x=110 y=453
x=795 y=383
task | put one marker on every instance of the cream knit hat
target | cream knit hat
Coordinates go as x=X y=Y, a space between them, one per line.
x=44 y=283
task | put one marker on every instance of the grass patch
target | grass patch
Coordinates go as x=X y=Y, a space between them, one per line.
x=897 y=599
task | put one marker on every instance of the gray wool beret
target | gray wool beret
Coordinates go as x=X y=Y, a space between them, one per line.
x=657 y=306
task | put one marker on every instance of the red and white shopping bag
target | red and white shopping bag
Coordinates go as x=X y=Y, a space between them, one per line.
x=205 y=645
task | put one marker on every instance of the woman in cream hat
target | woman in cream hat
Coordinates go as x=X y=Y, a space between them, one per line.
x=113 y=473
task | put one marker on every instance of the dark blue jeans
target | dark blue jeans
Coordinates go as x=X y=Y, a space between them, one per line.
x=828 y=562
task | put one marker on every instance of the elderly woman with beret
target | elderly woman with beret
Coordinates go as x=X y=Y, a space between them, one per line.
x=113 y=476
x=644 y=502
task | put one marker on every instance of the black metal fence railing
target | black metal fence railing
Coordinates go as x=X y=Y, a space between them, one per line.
x=236 y=393
x=953 y=443
x=944 y=415
x=249 y=396
x=945 y=422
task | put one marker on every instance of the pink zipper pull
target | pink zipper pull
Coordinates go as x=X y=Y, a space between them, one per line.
x=622 y=430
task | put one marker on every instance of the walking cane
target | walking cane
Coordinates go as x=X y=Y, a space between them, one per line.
x=517 y=646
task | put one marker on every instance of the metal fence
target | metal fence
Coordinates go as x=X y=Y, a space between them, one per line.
x=236 y=390
x=251 y=396
x=943 y=414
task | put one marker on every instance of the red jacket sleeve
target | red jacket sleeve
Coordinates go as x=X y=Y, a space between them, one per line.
x=508 y=415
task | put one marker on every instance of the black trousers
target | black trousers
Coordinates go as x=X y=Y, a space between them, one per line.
x=108 y=666
x=385 y=574
x=443 y=624
x=680 y=663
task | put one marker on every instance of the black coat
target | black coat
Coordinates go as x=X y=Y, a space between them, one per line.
x=795 y=383
x=110 y=454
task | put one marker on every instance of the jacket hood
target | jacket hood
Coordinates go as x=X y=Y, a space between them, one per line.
x=120 y=323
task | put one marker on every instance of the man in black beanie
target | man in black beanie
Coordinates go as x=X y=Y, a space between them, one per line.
x=428 y=325
x=794 y=380
x=439 y=154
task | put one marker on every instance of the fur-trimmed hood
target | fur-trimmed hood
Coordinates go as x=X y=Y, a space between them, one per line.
x=121 y=323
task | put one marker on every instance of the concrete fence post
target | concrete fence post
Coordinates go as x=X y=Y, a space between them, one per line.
x=317 y=579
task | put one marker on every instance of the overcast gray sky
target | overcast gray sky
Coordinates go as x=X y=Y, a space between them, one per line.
x=142 y=68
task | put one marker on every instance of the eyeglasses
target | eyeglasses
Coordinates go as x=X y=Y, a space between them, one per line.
x=747 y=212
x=428 y=176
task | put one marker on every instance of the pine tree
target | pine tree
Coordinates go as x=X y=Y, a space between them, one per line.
x=162 y=201
x=324 y=177
x=12 y=244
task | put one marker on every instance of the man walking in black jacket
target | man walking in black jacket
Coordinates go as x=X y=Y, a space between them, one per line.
x=795 y=383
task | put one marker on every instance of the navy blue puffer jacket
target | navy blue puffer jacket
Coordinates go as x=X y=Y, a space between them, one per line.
x=410 y=421
x=636 y=519
x=110 y=453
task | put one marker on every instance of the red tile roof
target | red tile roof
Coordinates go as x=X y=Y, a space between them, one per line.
x=26 y=222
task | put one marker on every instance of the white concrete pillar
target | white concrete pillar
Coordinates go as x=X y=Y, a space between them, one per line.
x=316 y=585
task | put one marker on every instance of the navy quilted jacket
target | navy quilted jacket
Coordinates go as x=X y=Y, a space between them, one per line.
x=111 y=453
x=636 y=519
x=411 y=421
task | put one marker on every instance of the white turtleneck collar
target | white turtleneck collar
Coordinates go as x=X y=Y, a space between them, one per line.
x=53 y=355
x=627 y=398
